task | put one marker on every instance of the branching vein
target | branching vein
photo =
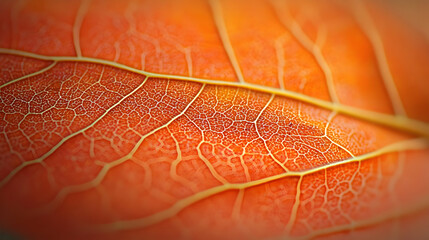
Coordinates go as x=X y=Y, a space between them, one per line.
x=77 y=26
x=413 y=144
x=374 y=37
x=396 y=122
x=220 y=24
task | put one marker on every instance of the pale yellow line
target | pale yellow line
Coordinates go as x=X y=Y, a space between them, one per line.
x=396 y=122
x=377 y=44
x=210 y=166
x=413 y=144
x=223 y=33
x=97 y=180
x=29 y=75
x=60 y=143
x=330 y=119
x=265 y=142
x=292 y=26
x=398 y=212
x=280 y=61
x=83 y=8
x=176 y=162
x=237 y=205
x=295 y=207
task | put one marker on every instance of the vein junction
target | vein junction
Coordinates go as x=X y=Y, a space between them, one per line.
x=396 y=122
x=400 y=123
x=413 y=144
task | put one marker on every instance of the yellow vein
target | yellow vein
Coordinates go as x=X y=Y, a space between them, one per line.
x=84 y=6
x=60 y=143
x=377 y=44
x=295 y=206
x=176 y=162
x=400 y=123
x=210 y=166
x=30 y=75
x=280 y=60
x=398 y=212
x=100 y=176
x=265 y=142
x=223 y=33
x=237 y=205
x=292 y=26
x=412 y=144
x=330 y=119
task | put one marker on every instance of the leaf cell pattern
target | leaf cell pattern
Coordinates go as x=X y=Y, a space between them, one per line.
x=212 y=119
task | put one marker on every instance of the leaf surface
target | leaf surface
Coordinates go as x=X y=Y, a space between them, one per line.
x=212 y=119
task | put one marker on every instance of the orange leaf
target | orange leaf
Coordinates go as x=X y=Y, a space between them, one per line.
x=213 y=119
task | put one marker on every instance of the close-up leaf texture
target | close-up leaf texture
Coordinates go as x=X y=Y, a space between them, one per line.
x=214 y=119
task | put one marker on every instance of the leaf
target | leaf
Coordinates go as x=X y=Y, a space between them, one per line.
x=212 y=119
